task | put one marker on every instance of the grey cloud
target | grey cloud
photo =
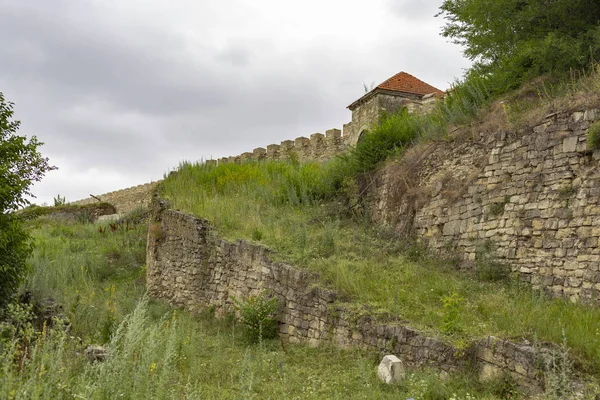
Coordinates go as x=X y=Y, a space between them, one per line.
x=415 y=10
x=237 y=57
x=138 y=100
x=75 y=63
x=69 y=65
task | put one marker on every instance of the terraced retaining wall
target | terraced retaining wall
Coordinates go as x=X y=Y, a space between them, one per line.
x=190 y=266
x=533 y=194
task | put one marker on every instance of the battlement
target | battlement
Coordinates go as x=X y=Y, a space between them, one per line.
x=318 y=147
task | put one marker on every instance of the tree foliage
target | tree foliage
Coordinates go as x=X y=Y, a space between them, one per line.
x=518 y=39
x=20 y=165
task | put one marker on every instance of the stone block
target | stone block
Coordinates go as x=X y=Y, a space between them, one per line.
x=333 y=133
x=570 y=144
x=316 y=137
x=259 y=153
x=287 y=145
x=301 y=142
x=391 y=370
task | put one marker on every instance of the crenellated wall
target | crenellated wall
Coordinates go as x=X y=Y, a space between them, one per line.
x=124 y=200
x=191 y=267
x=318 y=148
x=532 y=194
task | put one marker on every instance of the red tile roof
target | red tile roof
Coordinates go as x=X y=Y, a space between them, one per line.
x=403 y=82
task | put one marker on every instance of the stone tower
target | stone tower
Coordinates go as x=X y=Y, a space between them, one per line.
x=401 y=90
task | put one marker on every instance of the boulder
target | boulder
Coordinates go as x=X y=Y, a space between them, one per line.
x=391 y=369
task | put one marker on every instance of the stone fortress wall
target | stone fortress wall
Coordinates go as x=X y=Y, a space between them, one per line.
x=191 y=267
x=124 y=200
x=532 y=193
x=318 y=148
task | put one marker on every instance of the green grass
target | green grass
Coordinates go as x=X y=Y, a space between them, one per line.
x=593 y=138
x=367 y=265
x=86 y=270
x=155 y=352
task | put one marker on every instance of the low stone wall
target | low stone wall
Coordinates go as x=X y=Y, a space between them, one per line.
x=534 y=194
x=190 y=266
x=318 y=148
x=124 y=200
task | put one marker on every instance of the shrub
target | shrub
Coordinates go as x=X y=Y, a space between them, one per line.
x=559 y=378
x=259 y=314
x=451 y=313
x=391 y=134
x=593 y=137
x=20 y=165
x=487 y=266
x=60 y=200
x=512 y=41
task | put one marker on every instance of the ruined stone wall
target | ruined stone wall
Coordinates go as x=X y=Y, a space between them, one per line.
x=318 y=148
x=534 y=194
x=124 y=200
x=190 y=266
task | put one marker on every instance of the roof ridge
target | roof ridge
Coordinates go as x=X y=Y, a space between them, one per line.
x=407 y=83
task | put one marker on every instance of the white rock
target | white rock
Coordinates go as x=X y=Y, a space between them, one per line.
x=109 y=218
x=391 y=369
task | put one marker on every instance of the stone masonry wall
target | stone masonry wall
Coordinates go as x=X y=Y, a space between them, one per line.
x=369 y=111
x=124 y=200
x=318 y=148
x=190 y=266
x=534 y=194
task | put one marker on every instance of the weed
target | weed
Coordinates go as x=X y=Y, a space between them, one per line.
x=487 y=266
x=559 y=378
x=257 y=234
x=60 y=200
x=259 y=314
x=495 y=209
x=451 y=313
x=505 y=387
x=566 y=192
x=593 y=136
x=155 y=231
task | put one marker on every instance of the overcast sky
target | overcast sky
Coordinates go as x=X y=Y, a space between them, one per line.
x=121 y=91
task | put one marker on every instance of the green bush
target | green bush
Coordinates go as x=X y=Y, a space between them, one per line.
x=393 y=132
x=513 y=41
x=593 y=136
x=15 y=248
x=451 y=313
x=60 y=200
x=20 y=165
x=487 y=266
x=259 y=314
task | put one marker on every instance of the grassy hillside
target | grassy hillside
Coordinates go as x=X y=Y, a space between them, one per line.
x=283 y=206
x=97 y=274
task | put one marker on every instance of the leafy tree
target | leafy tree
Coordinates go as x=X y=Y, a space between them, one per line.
x=517 y=39
x=20 y=165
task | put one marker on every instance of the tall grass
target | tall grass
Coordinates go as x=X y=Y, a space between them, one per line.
x=368 y=265
x=156 y=353
x=85 y=270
